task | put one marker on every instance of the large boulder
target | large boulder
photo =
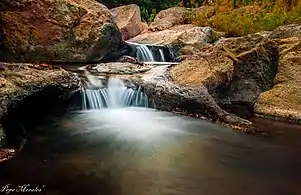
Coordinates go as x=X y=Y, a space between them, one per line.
x=230 y=77
x=58 y=30
x=168 y=18
x=283 y=101
x=128 y=20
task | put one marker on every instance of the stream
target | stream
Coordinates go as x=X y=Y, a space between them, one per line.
x=142 y=151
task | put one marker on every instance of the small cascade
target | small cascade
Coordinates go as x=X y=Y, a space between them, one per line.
x=143 y=53
x=115 y=95
x=151 y=53
x=162 y=55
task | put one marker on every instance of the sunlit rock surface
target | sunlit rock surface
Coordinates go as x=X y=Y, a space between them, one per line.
x=284 y=99
x=128 y=20
x=63 y=31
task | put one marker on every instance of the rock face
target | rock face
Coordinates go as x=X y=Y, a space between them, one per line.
x=19 y=81
x=230 y=78
x=128 y=20
x=171 y=97
x=63 y=31
x=284 y=99
x=259 y=70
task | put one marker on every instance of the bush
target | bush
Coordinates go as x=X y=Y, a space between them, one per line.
x=248 y=19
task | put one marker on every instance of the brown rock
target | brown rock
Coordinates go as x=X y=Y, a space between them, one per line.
x=170 y=96
x=230 y=78
x=283 y=101
x=144 y=26
x=21 y=81
x=128 y=20
x=66 y=30
x=168 y=18
x=286 y=31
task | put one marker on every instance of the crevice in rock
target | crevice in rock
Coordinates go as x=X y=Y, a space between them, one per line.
x=254 y=73
x=30 y=111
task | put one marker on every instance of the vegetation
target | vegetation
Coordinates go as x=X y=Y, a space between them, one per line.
x=241 y=17
x=235 y=17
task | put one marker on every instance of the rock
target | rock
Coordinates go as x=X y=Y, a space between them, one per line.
x=144 y=27
x=238 y=45
x=254 y=72
x=119 y=68
x=169 y=96
x=283 y=101
x=286 y=31
x=211 y=68
x=230 y=78
x=168 y=18
x=60 y=31
x=6 y=154
x=19 y=81
x=2 y=137
x=128 y=20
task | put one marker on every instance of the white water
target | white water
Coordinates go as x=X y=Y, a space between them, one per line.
x=162 y=55
x=143 y=53
x=115 y=95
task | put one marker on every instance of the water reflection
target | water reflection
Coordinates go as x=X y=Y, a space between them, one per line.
x=137 y=151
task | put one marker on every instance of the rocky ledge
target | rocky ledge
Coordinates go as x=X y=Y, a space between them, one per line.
x=19 y=81
x=165 y=95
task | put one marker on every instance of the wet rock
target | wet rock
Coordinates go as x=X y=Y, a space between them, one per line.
x=128 y=20
x=60 y=31
x=119 y=68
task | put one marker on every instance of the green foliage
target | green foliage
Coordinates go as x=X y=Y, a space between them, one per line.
x=248 y=19
x=149 y=8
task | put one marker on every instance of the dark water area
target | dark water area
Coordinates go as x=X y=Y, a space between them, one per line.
x=139 y=151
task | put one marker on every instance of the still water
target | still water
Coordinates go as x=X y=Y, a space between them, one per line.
x=141 y=151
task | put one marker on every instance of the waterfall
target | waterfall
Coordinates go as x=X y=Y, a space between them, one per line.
x=143 y=53
x=115 y=95
x=162 y=55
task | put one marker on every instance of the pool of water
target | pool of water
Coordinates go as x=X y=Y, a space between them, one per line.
x=140 y=151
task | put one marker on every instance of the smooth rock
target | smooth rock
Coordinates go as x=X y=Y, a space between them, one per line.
x=128 y=20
